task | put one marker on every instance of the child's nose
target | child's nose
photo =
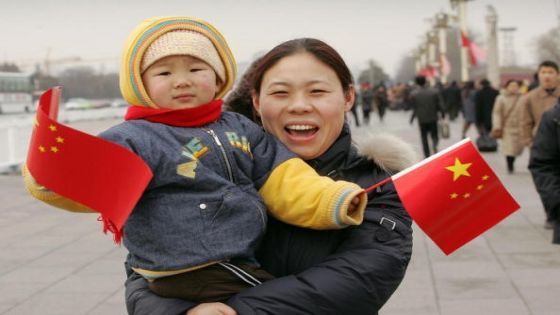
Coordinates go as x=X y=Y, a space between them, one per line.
x=182 y=81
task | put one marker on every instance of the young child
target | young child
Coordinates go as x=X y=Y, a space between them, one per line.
x=194 y=230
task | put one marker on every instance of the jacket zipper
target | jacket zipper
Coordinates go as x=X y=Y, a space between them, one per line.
x=224 y=155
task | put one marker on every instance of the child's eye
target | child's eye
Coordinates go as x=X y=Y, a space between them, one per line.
x=164 y=73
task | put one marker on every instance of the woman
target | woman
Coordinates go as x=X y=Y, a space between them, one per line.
x=505 y=122
x=301 y=91
x=469 y=110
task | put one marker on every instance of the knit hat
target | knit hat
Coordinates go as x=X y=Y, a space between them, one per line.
x=183 y=42
x=157 y=38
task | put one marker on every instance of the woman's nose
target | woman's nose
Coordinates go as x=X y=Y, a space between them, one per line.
x=300 y=104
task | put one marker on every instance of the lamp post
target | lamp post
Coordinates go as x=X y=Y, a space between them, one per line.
x=441 y=24
x=492 y=64
x=461 y=6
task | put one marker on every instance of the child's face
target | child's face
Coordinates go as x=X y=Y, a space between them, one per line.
x=177 y=82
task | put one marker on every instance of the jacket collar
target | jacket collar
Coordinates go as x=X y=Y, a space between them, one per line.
x=337 y=156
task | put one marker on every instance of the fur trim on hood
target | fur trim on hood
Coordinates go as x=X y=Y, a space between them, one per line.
x=388 y=151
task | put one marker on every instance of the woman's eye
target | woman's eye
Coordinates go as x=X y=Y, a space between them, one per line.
x=278 y=93
x=317 y=91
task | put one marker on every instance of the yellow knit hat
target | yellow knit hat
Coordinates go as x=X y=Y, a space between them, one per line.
x=156 y=38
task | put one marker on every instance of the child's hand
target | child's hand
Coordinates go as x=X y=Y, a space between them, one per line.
x=212 y=309
x=353 y=206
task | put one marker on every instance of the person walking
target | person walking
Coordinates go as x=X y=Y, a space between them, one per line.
x=381 y=101
x=505 y=123
x=484 y=104
x=452 y=98
x=469 y=116
x=366 y=92
x=426 y=105
x=544 y=165
x=535 y=103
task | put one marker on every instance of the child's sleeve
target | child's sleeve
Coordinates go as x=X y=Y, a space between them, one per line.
x=296 y=194
x=293 y=191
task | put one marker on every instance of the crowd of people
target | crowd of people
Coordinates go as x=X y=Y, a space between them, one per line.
x=510 y=115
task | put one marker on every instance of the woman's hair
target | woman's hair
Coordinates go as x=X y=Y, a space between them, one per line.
x=321 y=50
x=239 y=99
x=508 y=82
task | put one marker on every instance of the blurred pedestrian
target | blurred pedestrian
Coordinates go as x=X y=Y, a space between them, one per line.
x=544 y=165
x=366 y=91
x=426 y=105
x=381 y=101
x=505 y=123
x=484 y=104
x=535 y=103
x=453 y=100
x=538 y=100
x=469 y=116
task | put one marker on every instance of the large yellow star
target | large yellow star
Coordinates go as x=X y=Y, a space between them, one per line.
x=459 y=169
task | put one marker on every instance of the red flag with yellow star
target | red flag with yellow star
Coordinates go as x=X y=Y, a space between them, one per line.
x=454 y=195
x=83 y=168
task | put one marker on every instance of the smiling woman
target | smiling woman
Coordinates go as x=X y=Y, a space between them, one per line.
x=301 y=90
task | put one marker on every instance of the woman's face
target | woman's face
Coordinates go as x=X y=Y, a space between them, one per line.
x=513 y=87
x=301 y=102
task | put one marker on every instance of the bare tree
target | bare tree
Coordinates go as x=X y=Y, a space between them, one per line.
x=548 y=45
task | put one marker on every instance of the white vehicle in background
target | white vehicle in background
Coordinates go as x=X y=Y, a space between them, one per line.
x=77 y=103
x=16 y=92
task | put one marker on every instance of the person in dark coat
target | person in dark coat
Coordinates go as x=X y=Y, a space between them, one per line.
x=426 y=106
x=349 y=271
x=381 y=101
x=484 y=104
x=453 y=100
x=544 y=165
x=366 y=93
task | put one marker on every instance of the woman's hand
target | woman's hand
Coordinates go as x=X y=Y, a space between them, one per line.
x=212 y=309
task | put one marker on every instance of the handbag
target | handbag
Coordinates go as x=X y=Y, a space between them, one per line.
x=443 y=129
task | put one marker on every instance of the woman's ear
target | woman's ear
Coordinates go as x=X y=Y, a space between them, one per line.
x=256 y=104
x=349 y=98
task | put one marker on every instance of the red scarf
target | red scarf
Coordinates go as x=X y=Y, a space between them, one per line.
x=187 y=117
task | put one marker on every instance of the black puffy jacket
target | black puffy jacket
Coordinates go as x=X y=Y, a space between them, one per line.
x=544 y=161
x=350 y=271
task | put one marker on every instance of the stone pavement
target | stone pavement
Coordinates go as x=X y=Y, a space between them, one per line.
x=54 y=262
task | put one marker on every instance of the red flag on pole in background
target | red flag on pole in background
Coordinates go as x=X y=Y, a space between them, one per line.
x=476 y=53
x=453 y=196
x=83 y=168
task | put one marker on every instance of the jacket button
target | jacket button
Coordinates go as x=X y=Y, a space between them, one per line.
x=202 y=206
x=382 y=234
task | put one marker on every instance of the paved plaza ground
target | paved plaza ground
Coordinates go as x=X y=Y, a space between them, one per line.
x=54 y=262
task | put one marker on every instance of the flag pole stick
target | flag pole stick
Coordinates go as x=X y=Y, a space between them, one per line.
x=374 y=186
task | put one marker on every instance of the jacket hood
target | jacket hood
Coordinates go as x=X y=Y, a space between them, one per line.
x=388 y=151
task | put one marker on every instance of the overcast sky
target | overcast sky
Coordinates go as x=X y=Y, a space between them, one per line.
x=384 y=30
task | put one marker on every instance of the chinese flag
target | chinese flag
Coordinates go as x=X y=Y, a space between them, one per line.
x=453 y=196
x=83 y=168
x=476 y=53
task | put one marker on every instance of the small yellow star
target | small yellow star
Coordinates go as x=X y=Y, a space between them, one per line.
x=59 y=139
x=52 y=127
x=485 y=177
x=54 y=149
x=459 y=169
x=467 y=195
x=42 y=148
x=453 y=195
x=479 y=187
